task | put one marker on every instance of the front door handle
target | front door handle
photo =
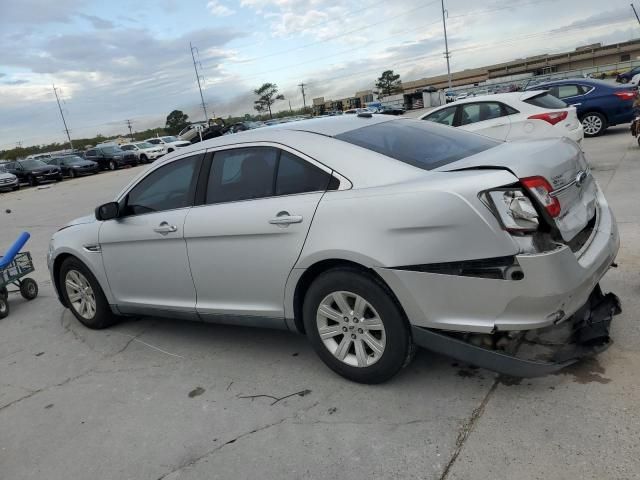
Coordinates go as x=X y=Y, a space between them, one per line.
x=284 y=219
x=165 y=228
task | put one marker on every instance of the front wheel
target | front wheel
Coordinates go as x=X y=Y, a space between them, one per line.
x=594 y=124
x=112 y=165
x=83 y=295
x=624 y=80
x=144 y=159
x=32 y=181
x=72 y=173
x=4 y=307
x=356 y=326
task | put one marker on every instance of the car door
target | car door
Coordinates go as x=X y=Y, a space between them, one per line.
x=485 y=118
x=245 y=239
x=144 y=253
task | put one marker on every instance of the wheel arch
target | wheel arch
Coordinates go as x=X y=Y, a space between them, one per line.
x=318 y=268
x=57 y=265
x=599 y=110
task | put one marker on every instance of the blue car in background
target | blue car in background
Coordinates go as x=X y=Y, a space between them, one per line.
x=626 y=77
x=599 y=104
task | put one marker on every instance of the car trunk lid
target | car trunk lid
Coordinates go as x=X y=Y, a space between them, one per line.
x=560 y=161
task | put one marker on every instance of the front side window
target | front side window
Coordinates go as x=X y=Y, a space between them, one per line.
x=479 y=112
x=424 y=145
x=242 y=174
x=154 y=141
x=444 y=116
x=167 y=188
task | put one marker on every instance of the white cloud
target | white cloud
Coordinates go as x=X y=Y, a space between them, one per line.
x=218 y=9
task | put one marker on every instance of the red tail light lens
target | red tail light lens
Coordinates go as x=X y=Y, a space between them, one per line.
x=626 y=95
x=541 y=189
x=551 y=117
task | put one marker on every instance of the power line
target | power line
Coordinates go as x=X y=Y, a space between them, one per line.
x=636 y=13
x=55 y=91
x=204 y=107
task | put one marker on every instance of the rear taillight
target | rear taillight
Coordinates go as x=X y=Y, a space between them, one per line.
x=541 y=189
x=514 y=210
x=551 y=117
x=628 y=95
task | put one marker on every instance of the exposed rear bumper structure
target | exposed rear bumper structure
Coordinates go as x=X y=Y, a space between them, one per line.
x=585 y=334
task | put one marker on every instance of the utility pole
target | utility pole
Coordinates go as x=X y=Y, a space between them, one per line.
x=446 y=43
x=130 y=132
x=55 y=91
x=304 y=98
x=290 y=109
x=634 y=11
x=204 y=107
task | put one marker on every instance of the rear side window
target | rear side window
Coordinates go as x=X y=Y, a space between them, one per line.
x=296 y=175
x=91 y=153
x=479 y=112
x=546 y=100
x=242 y=174
x=422 y=144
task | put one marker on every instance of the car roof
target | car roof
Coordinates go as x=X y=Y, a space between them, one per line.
x=584 y=81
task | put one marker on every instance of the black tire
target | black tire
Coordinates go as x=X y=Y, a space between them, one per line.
x=17 y=187
x=60 y=178
x=144 y=159
x=4 y=307
x=4 y=293
x=624 y=80
x=103 y=316
x=28 y=289
x=589 y=122
x=398 y=349
x=112 y=165
x=72 y=173
x=32 y=181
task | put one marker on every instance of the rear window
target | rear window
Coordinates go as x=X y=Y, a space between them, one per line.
x=422 y=144
x=545 y=100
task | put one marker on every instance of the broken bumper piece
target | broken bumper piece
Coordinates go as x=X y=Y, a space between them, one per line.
x=531 y=353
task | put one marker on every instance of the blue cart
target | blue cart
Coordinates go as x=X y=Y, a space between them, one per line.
x=14 y=266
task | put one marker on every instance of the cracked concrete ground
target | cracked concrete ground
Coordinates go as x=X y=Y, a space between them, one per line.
x=155 y=398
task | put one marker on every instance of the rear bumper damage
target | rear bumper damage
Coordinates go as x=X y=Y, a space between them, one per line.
x=531 y=353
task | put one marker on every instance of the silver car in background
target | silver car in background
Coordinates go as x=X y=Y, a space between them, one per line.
x=369 y=234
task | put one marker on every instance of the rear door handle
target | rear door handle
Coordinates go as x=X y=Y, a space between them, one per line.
x=165 y=228
x=284 y=219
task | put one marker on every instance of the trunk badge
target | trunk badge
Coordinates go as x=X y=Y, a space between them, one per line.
x=580 y=178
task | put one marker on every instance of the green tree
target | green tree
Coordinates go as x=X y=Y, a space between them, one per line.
x=176 y=121
x=267 y=96
x=388 y=84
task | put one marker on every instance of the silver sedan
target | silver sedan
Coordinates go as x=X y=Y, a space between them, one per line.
x=367 y=233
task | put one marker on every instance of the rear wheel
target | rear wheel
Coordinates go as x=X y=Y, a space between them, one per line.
x=83 y=295
x=32 y=181
x=144 y=159
x=594 y=124
x=112 y=165
x=28 y=288
x=4 y=307
x=355 y=326
x=72 y=173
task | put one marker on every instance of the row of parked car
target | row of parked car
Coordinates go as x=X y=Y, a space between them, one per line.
x=47 y=168
x=572 y=108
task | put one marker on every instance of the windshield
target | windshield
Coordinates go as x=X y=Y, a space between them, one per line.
x=144 y=145
x=28 y=164
x=170 y=139
x=424 y=145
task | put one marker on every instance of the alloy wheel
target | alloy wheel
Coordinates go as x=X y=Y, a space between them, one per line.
x=351 y=329
x=81 y=296
x=592 y=124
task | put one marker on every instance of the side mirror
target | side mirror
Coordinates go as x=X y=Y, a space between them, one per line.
x=108 y=211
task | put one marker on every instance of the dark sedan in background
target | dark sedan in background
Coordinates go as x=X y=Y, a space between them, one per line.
x=111 y=157
x=599 y=104
x=33 y=172
x=74 y=166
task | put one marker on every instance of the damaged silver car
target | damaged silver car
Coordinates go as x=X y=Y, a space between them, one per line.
x=367 y=233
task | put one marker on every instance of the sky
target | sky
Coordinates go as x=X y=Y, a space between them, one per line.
x=119 y=60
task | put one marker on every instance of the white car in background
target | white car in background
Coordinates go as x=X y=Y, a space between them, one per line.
x=168 y=143
x=145 y=151
x=8 y=181
x=511 y=116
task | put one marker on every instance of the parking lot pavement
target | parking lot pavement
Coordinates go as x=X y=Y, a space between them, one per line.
x=155 y=398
